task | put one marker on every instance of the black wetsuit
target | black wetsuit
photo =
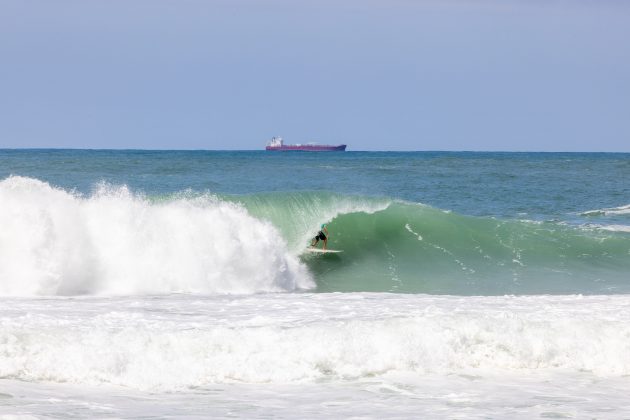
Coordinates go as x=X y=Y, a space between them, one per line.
x=320 y=235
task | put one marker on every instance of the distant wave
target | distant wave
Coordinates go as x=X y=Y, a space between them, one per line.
x=613 y=228
x=613 y=211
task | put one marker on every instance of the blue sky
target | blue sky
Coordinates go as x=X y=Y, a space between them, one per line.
x=539 y=75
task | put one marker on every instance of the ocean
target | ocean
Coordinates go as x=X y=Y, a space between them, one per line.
x=151 y=284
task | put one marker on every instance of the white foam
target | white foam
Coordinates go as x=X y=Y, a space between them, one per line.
x=609 y=211
x=614 y=228
x=525 y=397
x=417 y=235
x=177 y=342
x=114 y=242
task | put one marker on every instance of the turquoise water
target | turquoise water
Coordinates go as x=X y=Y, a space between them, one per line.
x=419 y=222
x=471 y=285
x=536 y=185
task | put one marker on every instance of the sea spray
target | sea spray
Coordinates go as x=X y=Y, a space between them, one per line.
x=115 y=242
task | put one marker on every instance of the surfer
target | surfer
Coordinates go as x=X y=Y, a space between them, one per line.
x=323 y=235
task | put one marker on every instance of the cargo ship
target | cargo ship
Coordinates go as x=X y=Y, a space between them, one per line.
x=276 y=143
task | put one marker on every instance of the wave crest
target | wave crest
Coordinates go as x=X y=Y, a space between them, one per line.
x=612 y=211
x=57 y=242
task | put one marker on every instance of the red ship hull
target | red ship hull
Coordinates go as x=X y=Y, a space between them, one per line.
x=307 y=148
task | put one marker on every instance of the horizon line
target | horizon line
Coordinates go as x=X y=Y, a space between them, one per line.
x=304 y=152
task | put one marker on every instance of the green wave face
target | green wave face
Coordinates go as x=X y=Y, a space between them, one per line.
x=403 y=247
x=298 y=216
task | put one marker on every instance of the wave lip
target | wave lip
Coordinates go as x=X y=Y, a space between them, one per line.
x=114 y=242
x=299 y=215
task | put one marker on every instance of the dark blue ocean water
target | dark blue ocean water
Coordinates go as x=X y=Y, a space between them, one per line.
x=540 y=186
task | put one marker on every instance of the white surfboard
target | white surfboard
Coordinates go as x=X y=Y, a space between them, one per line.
x=324 y=251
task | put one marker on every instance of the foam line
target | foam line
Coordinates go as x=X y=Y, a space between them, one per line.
x=172 y=343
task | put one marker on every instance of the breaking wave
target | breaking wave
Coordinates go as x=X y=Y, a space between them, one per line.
x=419 y=249
x=613 y=211
x=114 y=241
x=56 y=242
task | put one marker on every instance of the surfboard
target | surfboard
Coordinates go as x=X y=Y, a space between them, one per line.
x=324 y=251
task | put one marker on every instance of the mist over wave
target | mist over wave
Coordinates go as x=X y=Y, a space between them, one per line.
x=55 y=242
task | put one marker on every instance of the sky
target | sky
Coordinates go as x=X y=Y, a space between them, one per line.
x=504 y=75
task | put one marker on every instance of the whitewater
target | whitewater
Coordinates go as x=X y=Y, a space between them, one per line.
x=175 y=284
x=117 y=243
x=424 y=352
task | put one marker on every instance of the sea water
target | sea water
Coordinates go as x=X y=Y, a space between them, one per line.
x=176 y=283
